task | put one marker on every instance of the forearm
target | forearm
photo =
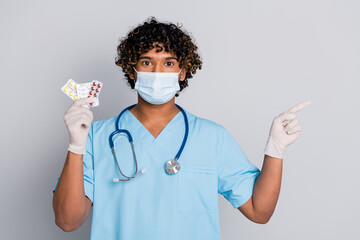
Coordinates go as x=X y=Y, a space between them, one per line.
x=69 y=201
x=267 y=188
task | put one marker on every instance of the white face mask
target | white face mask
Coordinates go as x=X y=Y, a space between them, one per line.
x=157 y=87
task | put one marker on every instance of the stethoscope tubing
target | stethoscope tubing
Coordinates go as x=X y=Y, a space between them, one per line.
x=132 y=144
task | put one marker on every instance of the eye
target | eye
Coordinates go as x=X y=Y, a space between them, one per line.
x=146 y=63
x=171 y=64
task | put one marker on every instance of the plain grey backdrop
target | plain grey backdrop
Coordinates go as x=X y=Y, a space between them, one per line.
x=259 y=59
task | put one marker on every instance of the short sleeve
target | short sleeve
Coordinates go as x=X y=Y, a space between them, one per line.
x=237 y=175
x=88 y=167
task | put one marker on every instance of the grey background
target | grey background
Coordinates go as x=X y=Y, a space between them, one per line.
x=260 y=58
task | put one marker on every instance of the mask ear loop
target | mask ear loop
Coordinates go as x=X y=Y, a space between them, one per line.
x=135 y=74
x=179 y=73
x=178 y=92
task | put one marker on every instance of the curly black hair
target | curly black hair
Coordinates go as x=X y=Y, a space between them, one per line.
x=175 y=41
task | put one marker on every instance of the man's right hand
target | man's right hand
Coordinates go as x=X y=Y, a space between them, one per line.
x=78 y=119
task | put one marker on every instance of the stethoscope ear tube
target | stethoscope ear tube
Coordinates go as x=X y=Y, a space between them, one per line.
x=119 y=180
x=113 y=151
x=119 y=131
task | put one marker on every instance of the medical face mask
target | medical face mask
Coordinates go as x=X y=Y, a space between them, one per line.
x=157 y=87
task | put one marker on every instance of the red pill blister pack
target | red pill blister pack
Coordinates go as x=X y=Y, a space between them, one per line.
x=85 y=90
x=90 y=89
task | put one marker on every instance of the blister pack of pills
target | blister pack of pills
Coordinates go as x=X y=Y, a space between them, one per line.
x=70 y=89
x=83 y=90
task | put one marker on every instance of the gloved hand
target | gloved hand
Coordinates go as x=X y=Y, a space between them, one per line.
x=285 y=129
x=78 y=119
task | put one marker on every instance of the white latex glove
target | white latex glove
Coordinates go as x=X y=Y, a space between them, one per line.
x=285 y=129
x=78 y=119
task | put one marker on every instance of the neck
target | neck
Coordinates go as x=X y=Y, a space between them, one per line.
x=151 y=112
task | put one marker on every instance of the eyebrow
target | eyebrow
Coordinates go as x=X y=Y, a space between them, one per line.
x=168 y=58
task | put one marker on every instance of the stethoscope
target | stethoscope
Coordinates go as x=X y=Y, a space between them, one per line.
x=171 y=167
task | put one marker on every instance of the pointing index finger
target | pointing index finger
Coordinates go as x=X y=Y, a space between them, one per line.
x=299 y=106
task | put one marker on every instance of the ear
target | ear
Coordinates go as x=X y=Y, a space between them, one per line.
x=183 y=74
x=132 y=76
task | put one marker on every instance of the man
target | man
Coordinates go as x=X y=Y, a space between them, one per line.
x=157 y=60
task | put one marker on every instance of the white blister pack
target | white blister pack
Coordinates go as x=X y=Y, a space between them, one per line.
x=83 y=90
x=70 y=89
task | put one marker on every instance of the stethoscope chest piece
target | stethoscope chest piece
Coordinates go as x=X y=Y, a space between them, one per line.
x=172 y=166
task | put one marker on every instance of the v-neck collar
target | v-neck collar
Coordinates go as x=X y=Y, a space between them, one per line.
x=144 y=132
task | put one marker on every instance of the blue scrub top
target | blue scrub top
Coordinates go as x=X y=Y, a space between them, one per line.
x=156 y=205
